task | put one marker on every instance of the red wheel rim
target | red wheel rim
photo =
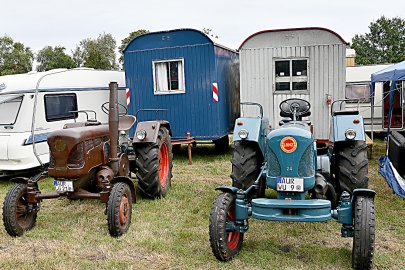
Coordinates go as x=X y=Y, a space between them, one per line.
x=124 y=210
x=22 y=215
x=232 y=238
x=163 y=164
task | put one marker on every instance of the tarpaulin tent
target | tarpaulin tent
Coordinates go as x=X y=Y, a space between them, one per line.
x=387 y=170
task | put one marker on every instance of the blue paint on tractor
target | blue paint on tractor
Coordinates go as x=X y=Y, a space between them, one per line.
x=193 y=109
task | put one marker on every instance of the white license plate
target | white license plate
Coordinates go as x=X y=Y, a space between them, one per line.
x=290 y=184
x=63 y=186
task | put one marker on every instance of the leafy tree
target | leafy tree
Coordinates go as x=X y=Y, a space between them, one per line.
x=385 y=43
x=96 y=53
x=15 y=58
x=128 y=39
x=50 y=58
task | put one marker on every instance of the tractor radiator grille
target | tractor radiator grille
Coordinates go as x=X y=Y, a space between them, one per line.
x=273 y=164
x=76 y=157
x=51 y=160
x=306 y=166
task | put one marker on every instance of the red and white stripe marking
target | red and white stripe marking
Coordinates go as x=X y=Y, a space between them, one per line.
x=215 y=91
x=128 y=95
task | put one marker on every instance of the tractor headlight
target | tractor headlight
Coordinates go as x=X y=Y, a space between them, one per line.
x=243 y=133
x=141 y=134
x=350 y=134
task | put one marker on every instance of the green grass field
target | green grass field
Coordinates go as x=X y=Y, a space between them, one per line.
x=172 y=233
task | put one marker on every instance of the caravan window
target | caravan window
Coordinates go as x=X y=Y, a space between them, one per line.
x=168 y=77
x=9 y=108
x=59 y=107
x=291 y=75
x=358 y=91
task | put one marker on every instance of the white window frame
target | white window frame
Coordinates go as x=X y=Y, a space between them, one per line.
x=168 y=92
x=366 y=99
x=291 y=78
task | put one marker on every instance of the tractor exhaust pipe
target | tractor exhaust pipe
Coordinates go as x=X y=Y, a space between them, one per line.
x=113 y=126
x=324 y=188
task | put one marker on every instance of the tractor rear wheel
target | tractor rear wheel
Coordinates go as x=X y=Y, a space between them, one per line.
x=154 y=165
x=222 y=145
x=364 y=234
x=119 y=209
x=224 y=244
x=246 y=161
x=352 y=166
x=16 y=217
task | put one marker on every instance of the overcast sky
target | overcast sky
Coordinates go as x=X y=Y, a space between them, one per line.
x=54 y=22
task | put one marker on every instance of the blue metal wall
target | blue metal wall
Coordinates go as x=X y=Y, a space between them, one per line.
x=204 y=63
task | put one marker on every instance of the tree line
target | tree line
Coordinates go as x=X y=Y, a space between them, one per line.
x=384 y=43
x=98 y=53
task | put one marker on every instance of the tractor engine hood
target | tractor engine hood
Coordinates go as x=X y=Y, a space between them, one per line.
x=291 y=153
x=75 y=151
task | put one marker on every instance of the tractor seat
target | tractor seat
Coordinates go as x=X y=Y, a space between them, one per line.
x=345 y=112
x=126 y=122
x=89 y=122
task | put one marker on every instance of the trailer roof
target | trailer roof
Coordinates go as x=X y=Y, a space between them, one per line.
x=293 y=29
x=363 y=73
x=77 y=78
x=214 y=40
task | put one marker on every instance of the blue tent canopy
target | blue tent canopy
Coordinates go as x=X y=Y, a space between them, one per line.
x=387 y=170
x=392 y=73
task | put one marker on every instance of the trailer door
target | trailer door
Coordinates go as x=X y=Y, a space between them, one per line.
x=397 y=119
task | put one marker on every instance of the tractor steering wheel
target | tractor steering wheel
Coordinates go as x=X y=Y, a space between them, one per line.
x=106 y=110
x=297 y=106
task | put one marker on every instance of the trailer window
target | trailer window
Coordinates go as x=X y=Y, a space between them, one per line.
x=358 y=92
x=60 y=107
x=168 y=77
x=291 y=75
x=9 y=108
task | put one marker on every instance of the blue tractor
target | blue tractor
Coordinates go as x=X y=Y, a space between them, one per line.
x=312 y=185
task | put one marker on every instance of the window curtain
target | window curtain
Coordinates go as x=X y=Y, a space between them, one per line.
x=180 y=73
x=161 y=77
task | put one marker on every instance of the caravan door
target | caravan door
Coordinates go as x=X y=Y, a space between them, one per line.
x=397 y=120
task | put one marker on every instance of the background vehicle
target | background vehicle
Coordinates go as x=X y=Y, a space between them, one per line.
x=34 y=104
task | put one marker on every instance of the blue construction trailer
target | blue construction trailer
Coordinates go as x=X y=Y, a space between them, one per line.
x=190 y=74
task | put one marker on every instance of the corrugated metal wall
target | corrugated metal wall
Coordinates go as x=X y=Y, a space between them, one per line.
x=326 y=76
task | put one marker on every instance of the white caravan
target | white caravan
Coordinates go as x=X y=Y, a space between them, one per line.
x=34 y=104
x=358 y=87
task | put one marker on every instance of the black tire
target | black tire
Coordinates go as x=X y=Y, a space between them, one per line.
x=246 y=161
x=364 y=233
x=352 y=166
x=16 y=218
x=222 y=145
x=154 y=172
x=119 y=209
x=225 y=245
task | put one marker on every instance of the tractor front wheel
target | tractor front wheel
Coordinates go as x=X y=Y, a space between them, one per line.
x=16 y=215
x=246 y=161
x=119 y=209
x=224 y=244
x=364 y=234
x=154 y=165
x=352 y=166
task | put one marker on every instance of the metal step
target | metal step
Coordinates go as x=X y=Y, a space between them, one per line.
x=291 y=210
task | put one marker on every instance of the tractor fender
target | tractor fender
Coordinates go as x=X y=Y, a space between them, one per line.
x=227 y=189
x=364 y=192
x=128 y=181
x=152 y=130
x=20 y=180
x=342 y=122
x=256 y=127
